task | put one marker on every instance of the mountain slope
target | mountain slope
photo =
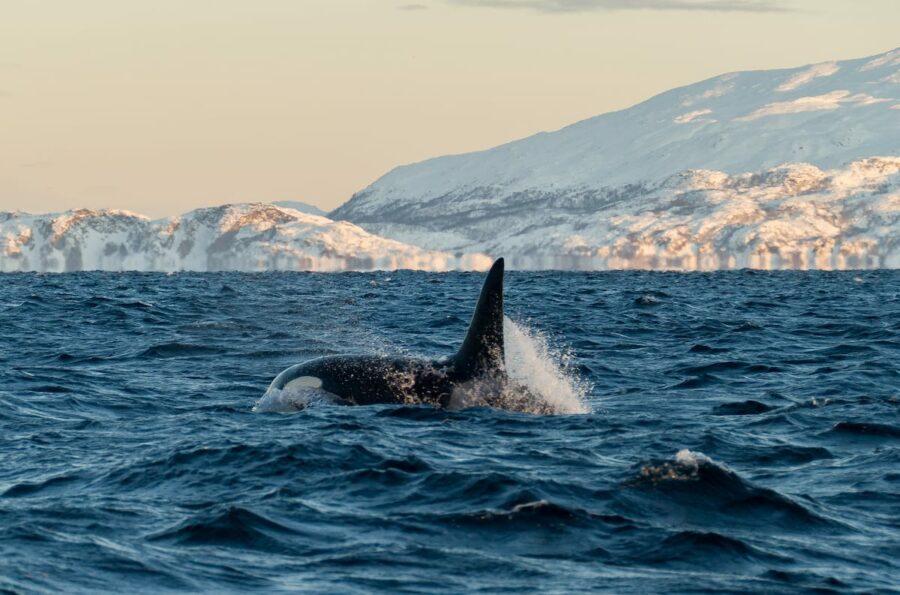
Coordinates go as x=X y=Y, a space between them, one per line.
x=244 y=237
x=565 y=199
x=303 y=207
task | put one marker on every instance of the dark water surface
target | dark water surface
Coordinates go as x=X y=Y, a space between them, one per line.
x=130 y=459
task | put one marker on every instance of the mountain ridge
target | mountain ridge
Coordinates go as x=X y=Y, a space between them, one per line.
x=241 y=237
x=791 y=168
x=886 y=59
x=528 y=198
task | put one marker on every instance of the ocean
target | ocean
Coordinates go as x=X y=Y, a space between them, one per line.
x=734 y=431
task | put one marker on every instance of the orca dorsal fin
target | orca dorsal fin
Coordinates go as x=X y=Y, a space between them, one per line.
x=482 y=350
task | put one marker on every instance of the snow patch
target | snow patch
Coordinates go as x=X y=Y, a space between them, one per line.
x=723 y=87
x=691 y=116
x=803 y=77
x=300 y=206
x=894 y=77
x=828 y=101
x=891 y=58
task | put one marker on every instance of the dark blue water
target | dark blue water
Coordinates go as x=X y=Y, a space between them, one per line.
x=744 y=436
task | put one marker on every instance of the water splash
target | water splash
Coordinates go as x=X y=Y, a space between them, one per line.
x=547 y=371
x=291 y=399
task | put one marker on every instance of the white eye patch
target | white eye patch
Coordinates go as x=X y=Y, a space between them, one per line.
x=304 y=382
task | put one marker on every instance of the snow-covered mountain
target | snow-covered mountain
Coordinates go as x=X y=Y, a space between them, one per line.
x=796 y=168
x=243 y=237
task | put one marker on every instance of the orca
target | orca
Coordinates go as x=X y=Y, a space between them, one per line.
x=367 y=380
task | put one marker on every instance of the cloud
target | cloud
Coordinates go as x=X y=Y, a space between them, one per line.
x=557 y=6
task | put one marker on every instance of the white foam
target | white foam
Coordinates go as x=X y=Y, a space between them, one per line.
x=685 y=468
x=546 y=371
x=691 y=459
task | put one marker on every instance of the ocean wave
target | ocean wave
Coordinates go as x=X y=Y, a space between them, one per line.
x=694 y=481
x=35 y=487
x=748 y=407
x=178 y=349
x=704 y=548
x=727 y=366
x=866 y=430
x=540 y=513
x=233 y=527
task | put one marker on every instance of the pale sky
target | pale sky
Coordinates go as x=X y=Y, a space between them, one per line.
x=161 y=106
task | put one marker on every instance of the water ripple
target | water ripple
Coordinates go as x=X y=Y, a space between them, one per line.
x=741 y=435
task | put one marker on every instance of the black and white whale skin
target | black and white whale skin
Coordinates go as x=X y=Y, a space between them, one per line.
x=367 y=380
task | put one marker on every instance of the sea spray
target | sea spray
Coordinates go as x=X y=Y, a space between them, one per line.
x=545 y=370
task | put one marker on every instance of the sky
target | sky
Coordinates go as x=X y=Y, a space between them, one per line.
x=163 y=106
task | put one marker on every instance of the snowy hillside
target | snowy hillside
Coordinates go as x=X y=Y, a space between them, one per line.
x=789 y=168
x=303 y=207
x=233 y=237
